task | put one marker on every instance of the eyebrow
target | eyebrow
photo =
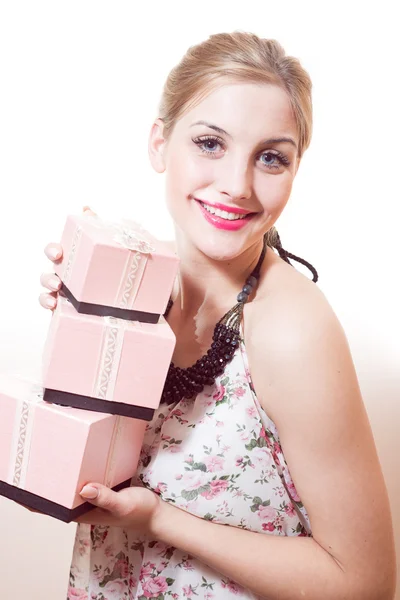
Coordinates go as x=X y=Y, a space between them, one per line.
x=277 y=140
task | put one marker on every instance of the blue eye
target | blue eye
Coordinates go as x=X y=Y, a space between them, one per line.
x=201 y=143
x=279 y=159
x=276 y=156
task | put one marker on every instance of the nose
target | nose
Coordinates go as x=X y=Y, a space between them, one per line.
x=235 y=178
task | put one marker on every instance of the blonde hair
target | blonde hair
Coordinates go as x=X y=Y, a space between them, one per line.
x=239 y=57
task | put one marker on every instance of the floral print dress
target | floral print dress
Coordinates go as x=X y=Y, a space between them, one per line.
x=217 y=456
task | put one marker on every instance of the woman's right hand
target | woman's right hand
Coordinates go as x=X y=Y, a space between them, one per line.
x=51 y=281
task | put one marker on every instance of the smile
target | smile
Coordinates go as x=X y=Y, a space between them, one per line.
x=231 y=216
x=223 y=219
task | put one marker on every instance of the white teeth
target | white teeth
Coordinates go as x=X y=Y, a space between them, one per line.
x=222 y=213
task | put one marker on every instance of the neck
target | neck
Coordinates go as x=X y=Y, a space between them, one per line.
x=205 y=284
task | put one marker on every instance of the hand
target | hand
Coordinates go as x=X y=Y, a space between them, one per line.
x=51 y=281
x=133 y=507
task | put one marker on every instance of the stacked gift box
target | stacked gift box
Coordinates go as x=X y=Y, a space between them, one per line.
x=105 y=362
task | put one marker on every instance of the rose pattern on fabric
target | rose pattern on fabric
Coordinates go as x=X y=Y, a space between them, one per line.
x=218 y=457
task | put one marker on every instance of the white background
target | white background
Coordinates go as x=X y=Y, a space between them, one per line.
x=80 y=85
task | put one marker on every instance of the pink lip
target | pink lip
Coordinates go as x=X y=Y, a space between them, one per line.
x=221 y=223
x=232 y=209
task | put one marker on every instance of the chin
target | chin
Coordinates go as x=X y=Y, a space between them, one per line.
x=222 y=248
x=218 y=244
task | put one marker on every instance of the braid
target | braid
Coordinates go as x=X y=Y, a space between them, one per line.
x=275 y=241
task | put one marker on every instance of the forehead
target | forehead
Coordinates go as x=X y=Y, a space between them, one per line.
x=245 y=109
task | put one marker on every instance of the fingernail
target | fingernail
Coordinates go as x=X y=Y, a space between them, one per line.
x=50 y=302
x=53 y=253
x=55 y=283
x=89 y=492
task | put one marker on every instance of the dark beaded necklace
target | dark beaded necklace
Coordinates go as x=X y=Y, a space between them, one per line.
x=186 y=383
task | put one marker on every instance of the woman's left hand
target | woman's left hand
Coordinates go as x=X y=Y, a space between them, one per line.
x=133 y=507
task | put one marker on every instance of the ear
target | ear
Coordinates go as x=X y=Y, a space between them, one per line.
x=157 y=146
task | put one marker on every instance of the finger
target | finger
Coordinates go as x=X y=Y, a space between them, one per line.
x=50 y=281
x=54 y=251
x=105 y=498
x=96 y=516
x=48 y=300
x=88 y=211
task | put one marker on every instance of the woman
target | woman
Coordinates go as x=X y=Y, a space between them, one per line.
x=270 y=437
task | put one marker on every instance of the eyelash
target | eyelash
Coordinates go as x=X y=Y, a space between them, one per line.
x=201 y=140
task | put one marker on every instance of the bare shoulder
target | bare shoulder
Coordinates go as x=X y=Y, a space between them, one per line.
x=288 y=314
x=305 y=379
x=294 y=338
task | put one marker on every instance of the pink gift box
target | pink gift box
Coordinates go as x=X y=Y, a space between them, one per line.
x=49 y=452
x=106 y=364
x=115 y=269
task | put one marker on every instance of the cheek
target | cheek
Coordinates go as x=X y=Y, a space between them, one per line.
x=275 y=192
x=175 y=175
x=187 y=175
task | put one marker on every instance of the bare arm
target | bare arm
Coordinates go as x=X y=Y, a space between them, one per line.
x=273 y=567
x=308 y=385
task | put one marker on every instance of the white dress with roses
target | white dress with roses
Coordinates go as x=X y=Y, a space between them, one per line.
x=217 y=457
